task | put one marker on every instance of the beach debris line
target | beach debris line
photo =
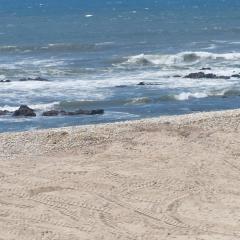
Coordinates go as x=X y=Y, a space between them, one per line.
x=26 y=111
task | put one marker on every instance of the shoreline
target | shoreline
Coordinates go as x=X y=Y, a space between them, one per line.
x=162 y=118
x=180 y=118
x=172 y=177
x=26 y=138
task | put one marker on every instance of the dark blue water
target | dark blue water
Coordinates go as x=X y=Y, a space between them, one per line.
x=87 y=49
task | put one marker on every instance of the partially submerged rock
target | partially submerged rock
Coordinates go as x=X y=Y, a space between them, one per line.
x=205 y=68
x=236 y=76
x=121 y=86
x=4 y=112
x=199 y=75
x=40 y=79
x=149 y=84
x=5 y=81
x=83 y=112
x=50 y=113
x=75 y=113
x=24 y=111
x=96 y=112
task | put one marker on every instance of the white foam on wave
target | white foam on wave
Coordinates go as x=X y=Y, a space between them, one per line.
x=8 y=47
x=30 y=65
x=8 y=108
x=227 y=91
x=37 y=107
x=183 y=58
x=29 y=92
x=210 y=47
x=40 y=63
x=188 y=95
x=234 y=43
x=2 y=77
x=104 y=43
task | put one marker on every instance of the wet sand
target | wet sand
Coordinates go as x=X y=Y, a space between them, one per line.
x=157 y=179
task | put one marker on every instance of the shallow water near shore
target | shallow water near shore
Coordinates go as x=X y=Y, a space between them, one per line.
x=95 y=55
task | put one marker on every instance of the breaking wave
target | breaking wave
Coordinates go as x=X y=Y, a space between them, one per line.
x=37 y=107
x=183 y=96
x=183 y=58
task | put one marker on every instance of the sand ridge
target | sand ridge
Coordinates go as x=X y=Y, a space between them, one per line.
x=164 y=178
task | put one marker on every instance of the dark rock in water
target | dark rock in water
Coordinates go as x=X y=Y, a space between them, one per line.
x=236 y=75
x=177 y=76
x=199 y=75
x=121 y=86
x=78 y=112
x=143 y=62
x=4 y=112
x=97 y=111
x=83 y=112
x=51 y=113
x=223 y=77
x=64 y=113
x=149 y=84
x=210 y=75
x=24 y=111
x=205 y=68
x=33 y=79
x=154 y=84
x=5 y=81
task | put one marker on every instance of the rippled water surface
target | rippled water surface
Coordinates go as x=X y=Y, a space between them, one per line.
x=94 y=54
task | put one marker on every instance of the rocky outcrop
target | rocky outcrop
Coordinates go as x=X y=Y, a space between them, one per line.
x=199 y=75
x=75 y=113
x=50 y=113
x=5 y=81
x=24 y=111
x=149 y=84
x=83 y=112
x=121 y=86
x=205 y=68
x=4 y=112
x=236 y=76
x=39 y=79
x=177 y=76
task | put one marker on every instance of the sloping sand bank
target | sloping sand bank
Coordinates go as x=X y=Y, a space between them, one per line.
x=168 y=178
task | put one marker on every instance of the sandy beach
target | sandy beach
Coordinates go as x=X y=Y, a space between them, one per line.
x=165 y=178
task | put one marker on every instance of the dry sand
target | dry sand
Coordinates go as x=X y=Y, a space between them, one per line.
x=167 y=178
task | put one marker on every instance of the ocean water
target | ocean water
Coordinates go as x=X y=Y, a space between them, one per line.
x=94 y=54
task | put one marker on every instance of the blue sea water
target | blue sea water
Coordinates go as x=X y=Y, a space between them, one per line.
x=94 y=54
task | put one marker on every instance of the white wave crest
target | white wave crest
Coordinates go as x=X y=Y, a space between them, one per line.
x=37 y=107
x=188 y=95
x=183 y=58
